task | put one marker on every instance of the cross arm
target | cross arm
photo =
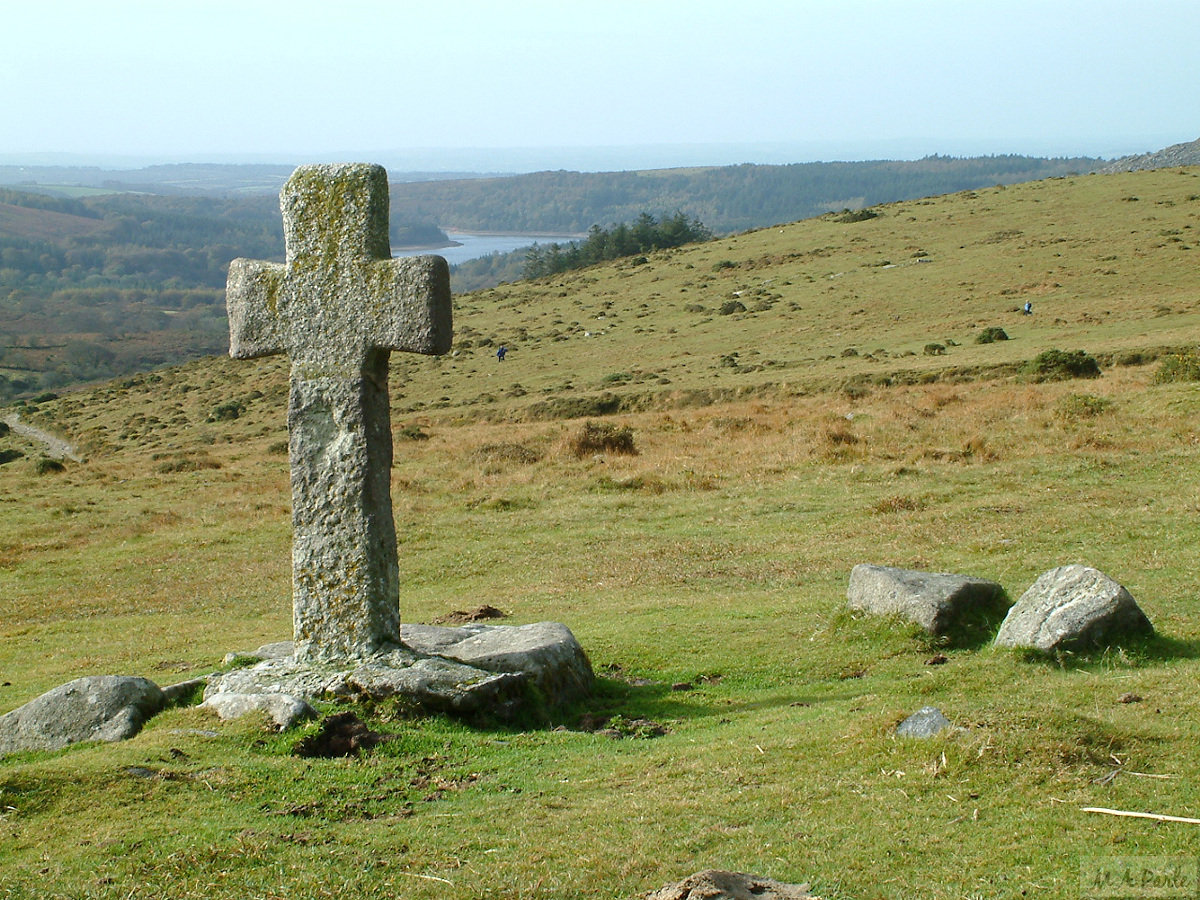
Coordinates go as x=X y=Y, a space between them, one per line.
x=417 y=317
x=253 y=294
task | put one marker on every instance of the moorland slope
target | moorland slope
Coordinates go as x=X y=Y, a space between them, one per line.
x=799 y=399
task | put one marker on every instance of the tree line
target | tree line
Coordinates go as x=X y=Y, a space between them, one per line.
x=619 y=240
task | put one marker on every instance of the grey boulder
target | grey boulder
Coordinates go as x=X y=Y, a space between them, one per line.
x=96 y=708
x=1070 y=608
x=924 y=723
x=939 y=603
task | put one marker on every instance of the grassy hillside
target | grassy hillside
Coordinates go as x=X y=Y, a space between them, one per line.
x=1105 y=261
x=705 y=575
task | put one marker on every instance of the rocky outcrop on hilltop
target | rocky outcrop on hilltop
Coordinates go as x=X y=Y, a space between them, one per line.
x=1176 y=155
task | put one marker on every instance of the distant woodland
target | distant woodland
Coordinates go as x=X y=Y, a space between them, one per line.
x=105 y=284
x=109 y=284
x=726 y=198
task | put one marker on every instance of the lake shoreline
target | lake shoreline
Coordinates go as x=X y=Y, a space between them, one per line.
x=466 y=245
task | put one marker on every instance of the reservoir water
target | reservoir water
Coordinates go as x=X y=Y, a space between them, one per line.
x=472 y=246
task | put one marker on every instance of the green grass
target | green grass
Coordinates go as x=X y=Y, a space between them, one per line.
x=714 y=559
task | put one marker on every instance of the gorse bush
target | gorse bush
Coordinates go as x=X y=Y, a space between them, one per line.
x=991 y=335
x=1184 y=366
x=573 y=407
x=1061 y=365
x=1082 y=406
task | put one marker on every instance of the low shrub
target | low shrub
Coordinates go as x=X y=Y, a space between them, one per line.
x=856 y=387
x=517 y=453
x=991 y=335
x=729 y=307
x=227 y=411
x=839 y=434
x=1082 y=406
x=602 y=437
x=1061 y=365
x=898 y=504
x=44 y=465
x=1184 y=366
x=574 y=407
x=7 y=455
x=935 y=349
x=187 y=464
x=411 y=432
x=857 y=215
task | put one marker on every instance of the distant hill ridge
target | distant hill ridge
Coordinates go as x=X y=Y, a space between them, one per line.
x=1187 y=154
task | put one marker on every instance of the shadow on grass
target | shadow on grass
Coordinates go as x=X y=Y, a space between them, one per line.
x=1132 y=653
x=972 y=629
x=657 y=701
x=662 y=702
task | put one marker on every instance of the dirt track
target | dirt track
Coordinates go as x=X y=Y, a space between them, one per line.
x=56 y=448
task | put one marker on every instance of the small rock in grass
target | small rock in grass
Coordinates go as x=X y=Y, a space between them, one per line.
x=924 y=723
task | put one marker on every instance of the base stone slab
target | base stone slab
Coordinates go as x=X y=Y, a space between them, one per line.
x=473 y=669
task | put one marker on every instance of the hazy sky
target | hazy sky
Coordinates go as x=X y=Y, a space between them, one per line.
x=298 y=80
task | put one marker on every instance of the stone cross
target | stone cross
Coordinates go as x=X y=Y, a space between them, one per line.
x=338 y=307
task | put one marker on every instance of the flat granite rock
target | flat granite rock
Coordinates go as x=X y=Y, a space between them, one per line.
x=436 y=684
x=283 y=709
x=95 y=708
x=546 y=652
x=462 y=670
x=938 y=602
